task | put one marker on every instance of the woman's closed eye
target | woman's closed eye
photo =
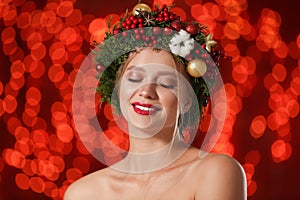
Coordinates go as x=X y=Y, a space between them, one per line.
x=168 y=83
x=135 y=80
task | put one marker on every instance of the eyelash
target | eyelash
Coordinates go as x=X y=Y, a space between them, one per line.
x=167 y=86
x=137 y=80
x=134 y=80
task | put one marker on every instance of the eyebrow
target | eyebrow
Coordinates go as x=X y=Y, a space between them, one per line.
x=134 y=67
x=138 y=68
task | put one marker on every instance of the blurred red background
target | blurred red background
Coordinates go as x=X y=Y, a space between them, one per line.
x=44 y=42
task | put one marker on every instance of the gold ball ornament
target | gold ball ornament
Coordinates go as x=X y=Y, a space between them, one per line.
x=140 y=7
x=196 y=68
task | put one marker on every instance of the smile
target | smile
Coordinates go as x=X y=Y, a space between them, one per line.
x=144 y=109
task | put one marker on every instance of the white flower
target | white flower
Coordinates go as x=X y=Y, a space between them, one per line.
x=181 y=44
x=184 y=35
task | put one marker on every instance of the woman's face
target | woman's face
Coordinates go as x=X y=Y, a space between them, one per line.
x=150 y=92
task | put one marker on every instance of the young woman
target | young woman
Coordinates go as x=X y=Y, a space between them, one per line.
x=155 y=93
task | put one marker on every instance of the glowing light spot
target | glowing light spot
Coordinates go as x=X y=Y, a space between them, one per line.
x=8 y=35
x=295 y=85
x=40 y=138
x=56 y=73
x=50 y=189
x=97 y=29
x=48 y=18
x=1 y=88
x=56 y=26
x=279 y=72
x=281 y=50
x=33 y=96
x=281 y=150
x=38 y=51
x=82 y=164
x=269 y=81
x=253 y=157
x=75 y=18
x=68 y=35
x=64 y=133
x=73 y=174
x=293 y=108
x=258 y=126
x=10 y=48
x=22 y=134
x=38 y=68
x=22 y=181
x=58 y=162
x=231 y=30
x=65 y=8
x=58 y=53
x=17 y=69
x=232 y=50
x=180 y=12
x=294 y=50
x=14 y=158
x=10 y=103
x=37 y=184
x=251 y=189
x=240 y=73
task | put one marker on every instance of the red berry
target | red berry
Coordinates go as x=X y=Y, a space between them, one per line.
x=197 y=51
x=124 y=24
x=140 y=20
x=131 y=17
x=138 y=37
x=135 y=21
x=141 y=25
x=128 y=22
x=127 y=27
x=150 y=45
x=132 y=26
x=136 y=31
x=124 y=34
x=99 y=68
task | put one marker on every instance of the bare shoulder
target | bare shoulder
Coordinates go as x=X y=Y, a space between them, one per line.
x=84 y=188
x=223 y=176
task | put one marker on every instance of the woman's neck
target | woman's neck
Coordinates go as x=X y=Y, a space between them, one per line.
x=145 y=142
x=152 y=153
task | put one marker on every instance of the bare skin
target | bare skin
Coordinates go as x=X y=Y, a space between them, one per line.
x=215 y=177
x=190 y=177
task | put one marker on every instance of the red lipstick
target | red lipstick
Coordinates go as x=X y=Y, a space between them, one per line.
x=144 y=108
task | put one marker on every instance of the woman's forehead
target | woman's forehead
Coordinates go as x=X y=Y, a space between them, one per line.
x=147 y=56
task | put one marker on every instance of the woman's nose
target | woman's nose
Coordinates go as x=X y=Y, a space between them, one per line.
x=148 y=91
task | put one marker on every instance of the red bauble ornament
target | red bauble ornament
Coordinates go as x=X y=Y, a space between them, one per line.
x=177 y=25
x=192 y=29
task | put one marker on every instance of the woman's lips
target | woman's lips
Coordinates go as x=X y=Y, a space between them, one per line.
x=144 y=108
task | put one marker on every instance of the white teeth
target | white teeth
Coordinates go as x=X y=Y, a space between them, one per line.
x=144 y=108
